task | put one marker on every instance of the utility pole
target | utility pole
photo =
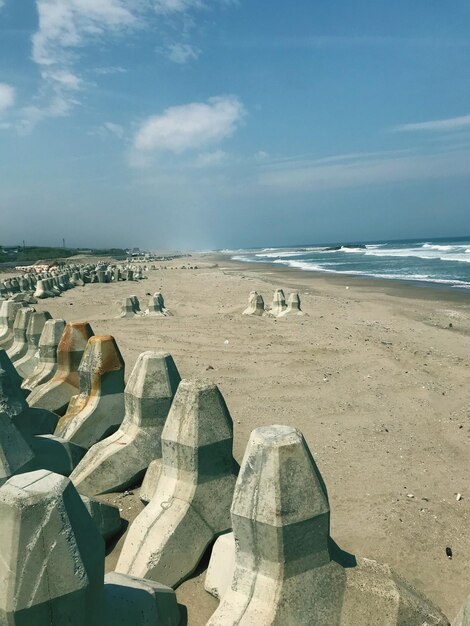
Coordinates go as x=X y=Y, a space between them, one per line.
x=63 y=243
x=24 y=245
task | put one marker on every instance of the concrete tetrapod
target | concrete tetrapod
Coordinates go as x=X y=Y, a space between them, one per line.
x=19 y=346
x=150 y=482
x=47 y=361
x=293 y=306
x=8 y=313
x=106 y=517
x=279 y=303
x=255 y=305
x=41 y=291
x=15 y=454
x=119 y=461
x=156 y=306
x=98 y=410
x=12 y=402
x=288 y=571
x=128 y=597
x=128 y=308
x=51 y=571
x=54 y=454
x=56 y=393
x=191 y=504
x=26 y=365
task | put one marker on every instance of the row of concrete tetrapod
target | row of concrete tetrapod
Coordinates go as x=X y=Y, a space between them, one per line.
x=279 y=307
x=156 y=307
x=33 y=285
x=273 y=562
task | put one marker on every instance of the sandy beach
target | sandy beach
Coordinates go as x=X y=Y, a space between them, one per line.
x=375 y=375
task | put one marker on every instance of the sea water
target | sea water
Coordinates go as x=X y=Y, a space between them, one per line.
x=439 y=261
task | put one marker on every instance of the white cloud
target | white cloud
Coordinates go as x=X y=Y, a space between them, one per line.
x=449 y=124
x=66 y=24
x=177 y=6
x=7 y=97
x=190 y=126
x=182 y=53
x=115 y=129
x=111 y=69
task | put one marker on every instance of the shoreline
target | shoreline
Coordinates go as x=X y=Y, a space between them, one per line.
x=390 y=286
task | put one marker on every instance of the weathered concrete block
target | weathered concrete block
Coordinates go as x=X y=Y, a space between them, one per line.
x=119 y=461
x=19 y=346
x=11 y=392
x=156 y=306
x=221 y=566
x=47 y=360
x=287 y=568
x=101 y=276
x=135 y=301
x=137 y=602
x=8 y=313
x=51 y=570
x=54 y=454
x=98 y=409
x=20 y=297
x=293 y=306
x=14 y=285
x=128 y=308
x=56 y=393
x=106 y=517
x=150 y=482
x=12 y=402
x=255 y=305
x=15 y=454
x=41 y=292
x=191 y=504
x=26 y=365
x=279 y=303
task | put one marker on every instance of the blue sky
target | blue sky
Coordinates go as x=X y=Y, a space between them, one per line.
x=220 y=123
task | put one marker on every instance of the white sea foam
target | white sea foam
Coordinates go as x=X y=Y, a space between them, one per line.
x=384 y=261
x=315 y=267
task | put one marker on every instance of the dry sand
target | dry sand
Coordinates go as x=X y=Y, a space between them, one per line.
x=374 y=376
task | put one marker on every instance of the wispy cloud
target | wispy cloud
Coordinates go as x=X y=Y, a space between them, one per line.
x=190 y=126
x=436 y=126
x=114 y=129
x=181 y=53
x=7 y=97
x=166 y=7
x=109 y=70
x=328 y=41
x=210 y=159
x=355 y=170
x=66 y=27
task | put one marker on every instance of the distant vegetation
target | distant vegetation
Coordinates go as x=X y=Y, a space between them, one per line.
x=31 y=254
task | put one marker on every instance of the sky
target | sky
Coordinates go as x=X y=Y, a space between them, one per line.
x=203 y=124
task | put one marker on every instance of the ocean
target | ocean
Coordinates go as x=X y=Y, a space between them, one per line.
x=437 y=261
